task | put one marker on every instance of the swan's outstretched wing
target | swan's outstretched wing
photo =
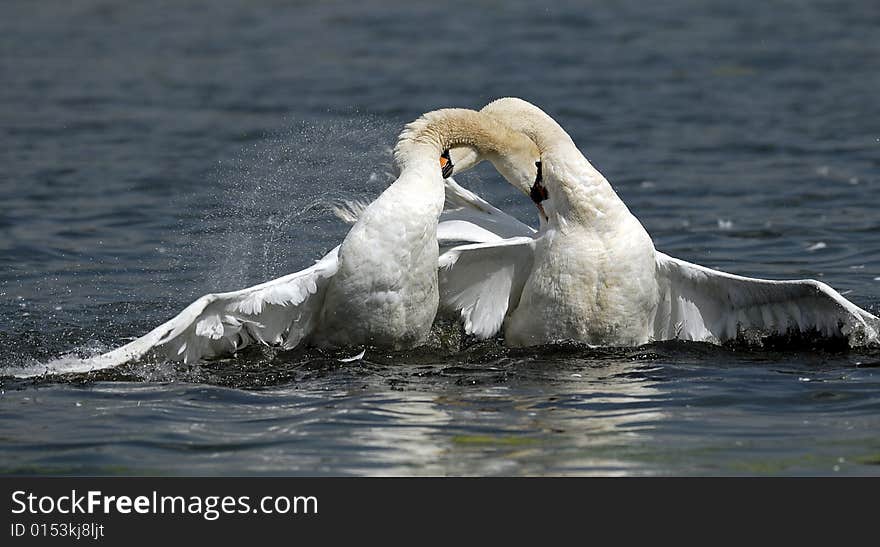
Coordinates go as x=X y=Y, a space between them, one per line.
x=467 y=218
x=698 y=303
x=464 y=205
x=279 y=312
x=482 y=281
x=457 y=232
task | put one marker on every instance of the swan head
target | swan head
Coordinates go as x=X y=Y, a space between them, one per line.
x=570 y=186
x=512 y=153
x=547 y=135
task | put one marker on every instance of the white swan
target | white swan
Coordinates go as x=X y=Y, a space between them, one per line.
x=591 y=272
x=379 y=287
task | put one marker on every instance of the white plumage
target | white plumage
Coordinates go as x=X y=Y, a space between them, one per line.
x=483 y=281
x=698 y=303
x=276 y=312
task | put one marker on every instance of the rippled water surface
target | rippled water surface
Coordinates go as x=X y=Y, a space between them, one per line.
x=152 y=153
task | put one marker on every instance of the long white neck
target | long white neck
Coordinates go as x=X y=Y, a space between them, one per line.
x=423 y=140
x=577 y=191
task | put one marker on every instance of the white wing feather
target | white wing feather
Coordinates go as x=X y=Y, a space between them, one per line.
x=464 y=205
x=280 y=312
x=452 y=232
x=698 y=303
x=482 y=281
x=466 y=218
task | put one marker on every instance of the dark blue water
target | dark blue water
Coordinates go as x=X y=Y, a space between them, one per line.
x=155 y=152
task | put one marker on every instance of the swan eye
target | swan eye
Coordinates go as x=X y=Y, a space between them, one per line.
x=539 y=191
x=446 y=166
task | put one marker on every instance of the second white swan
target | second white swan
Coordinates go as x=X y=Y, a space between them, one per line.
x=592 y=274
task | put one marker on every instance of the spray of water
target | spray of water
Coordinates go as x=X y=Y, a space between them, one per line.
x=273 y=209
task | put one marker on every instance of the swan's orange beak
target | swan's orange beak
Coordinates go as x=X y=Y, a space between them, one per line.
x=446 y=166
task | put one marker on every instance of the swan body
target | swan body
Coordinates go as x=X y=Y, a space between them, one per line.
x=591 y=272
x=384 y=291
x=588 y=286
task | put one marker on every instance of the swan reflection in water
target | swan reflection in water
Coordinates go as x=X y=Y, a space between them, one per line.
x=586 y=419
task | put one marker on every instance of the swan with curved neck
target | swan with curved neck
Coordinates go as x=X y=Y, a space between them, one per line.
x=593 y=280
x=378 y=287
x=592 y=274
x=385 y=289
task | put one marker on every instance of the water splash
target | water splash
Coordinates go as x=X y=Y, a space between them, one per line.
x=273 y=210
